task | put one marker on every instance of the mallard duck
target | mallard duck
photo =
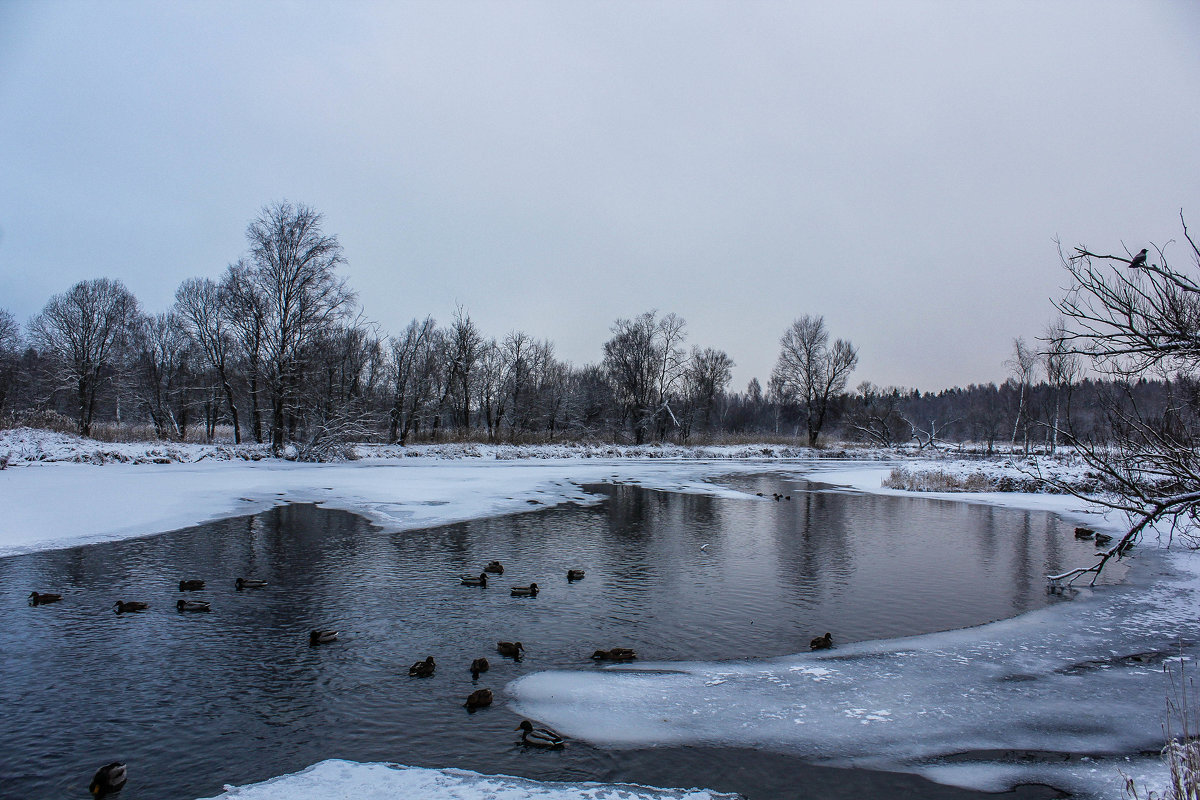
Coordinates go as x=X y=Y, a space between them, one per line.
x=477 y=666
x=478 y=699
x=616 y=654
x=1084 y=533
x=109 y=779
x=574 y=575
x=248 y=583
x=538 y=737
x=192 y=605
x=525 y=591
x=467 y=580
x=322 y=637
x=191 y=586
x=510 y=649
x=123 y=607
x=42 y=598
x=494 y=566
x=822 y=642
x=422 y=669
x=1102 y=539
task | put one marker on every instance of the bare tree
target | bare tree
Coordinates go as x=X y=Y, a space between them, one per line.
x=10 y=354
x=1023 y=366
x=705 y=378
x=203 y=306
x=810 y=372
x=414 y=365
x=1130 y=318
x=161 y=373
x=245 y=312
x=1063 y=371
x=463 y=345
x=875 y=415
x=295 y=286
x=644 y=359
x=82 y=330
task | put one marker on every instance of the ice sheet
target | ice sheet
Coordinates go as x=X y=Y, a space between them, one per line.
x=55 y=505
x=349 y=780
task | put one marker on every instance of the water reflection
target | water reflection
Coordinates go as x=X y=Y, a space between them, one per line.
x=193 y=701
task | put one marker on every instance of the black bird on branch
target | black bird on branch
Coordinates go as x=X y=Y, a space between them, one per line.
x=1139 y=260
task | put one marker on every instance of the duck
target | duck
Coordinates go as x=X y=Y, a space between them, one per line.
x=123 y=607
x=616 y=654
x=822 y=642
x=249 y=583
x=574 y=575
x=191 y=586
x=192 y=605
x=467 y=580
x=494 y=566
x=477 y=666
x=538 y=737
x=42 y=598
x=478 y=699
x=109 y=779
x=322 y=637
x=1084 y=533
x=422 y=669
x=525 y=591
x=1102 y=539
x=510 y=649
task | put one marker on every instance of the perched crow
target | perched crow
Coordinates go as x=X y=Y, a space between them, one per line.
x=1139 y=260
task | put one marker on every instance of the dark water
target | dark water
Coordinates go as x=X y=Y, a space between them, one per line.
x=195 y=701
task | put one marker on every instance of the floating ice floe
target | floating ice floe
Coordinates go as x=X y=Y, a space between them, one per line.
x=351 y=780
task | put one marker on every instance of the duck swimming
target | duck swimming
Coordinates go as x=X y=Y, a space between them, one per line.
x=192 y=605
x=616 y=654
x=510 y=649
x=322 y=637
x=191 y=586
x=109 y=779
x=477 y=666
x=525 y=591
x=467 y=580
x=478 y=699
x=123 y=607
x=41 y=599
x=822 y=642
x=248 y=583
x=494 y=566
x=538 y=737
x=574 y=575
x=422 y=669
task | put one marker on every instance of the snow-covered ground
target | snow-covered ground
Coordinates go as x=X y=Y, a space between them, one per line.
x=1073 y=677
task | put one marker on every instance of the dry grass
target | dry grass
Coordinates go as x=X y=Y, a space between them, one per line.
x=1182 y=750
x=938 y=481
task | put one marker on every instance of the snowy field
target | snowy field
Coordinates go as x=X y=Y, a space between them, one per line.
x=1085 y=676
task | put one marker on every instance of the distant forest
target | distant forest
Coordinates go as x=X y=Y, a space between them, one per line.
x=277 y=351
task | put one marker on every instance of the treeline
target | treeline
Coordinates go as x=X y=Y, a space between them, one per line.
x=277 y=350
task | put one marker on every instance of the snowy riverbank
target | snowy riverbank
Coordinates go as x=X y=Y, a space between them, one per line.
x=1079 y=677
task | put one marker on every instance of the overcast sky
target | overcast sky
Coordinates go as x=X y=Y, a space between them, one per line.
x=901 y=168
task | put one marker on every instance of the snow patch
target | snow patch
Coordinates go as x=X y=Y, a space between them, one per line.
x=349 y=780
